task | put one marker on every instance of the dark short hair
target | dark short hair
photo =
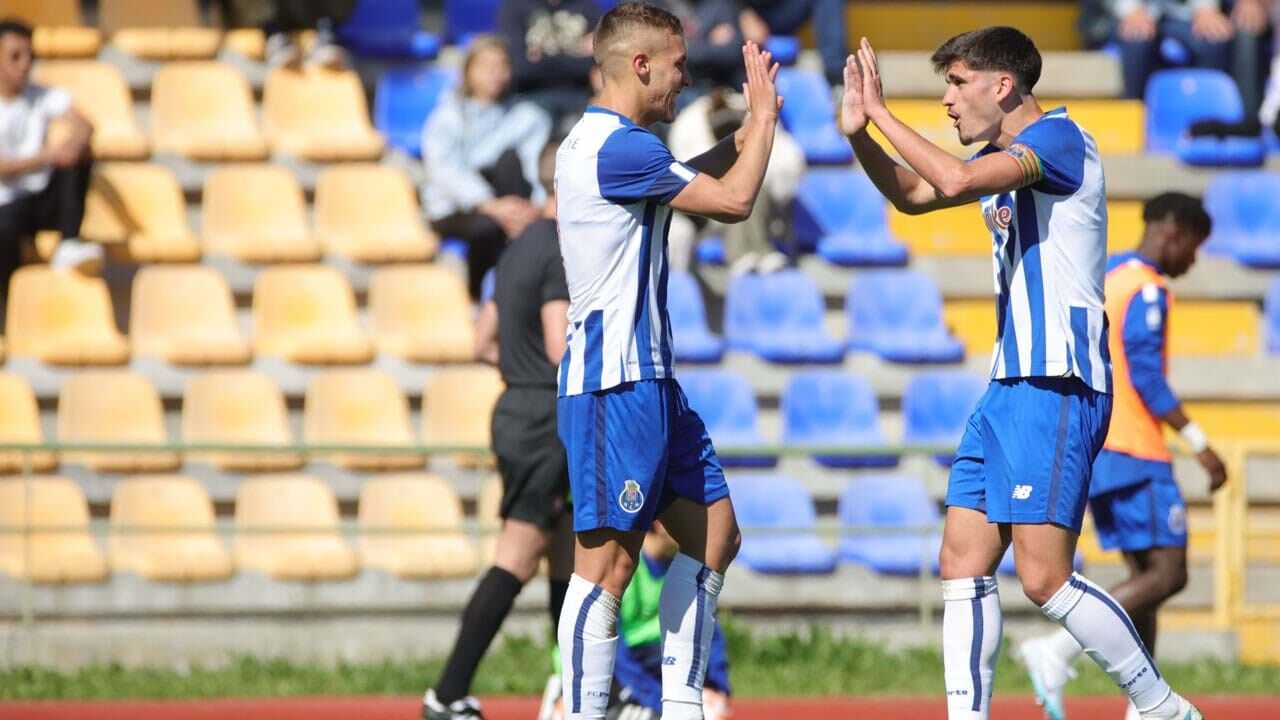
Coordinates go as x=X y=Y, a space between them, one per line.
x=629 y=17
x=1180 y=209
x=14 y=26
x=999 y=48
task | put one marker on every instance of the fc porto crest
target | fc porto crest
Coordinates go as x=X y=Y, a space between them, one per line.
x=631 y=499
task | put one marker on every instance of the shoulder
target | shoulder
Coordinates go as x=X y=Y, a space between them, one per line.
x=1052 y=134
x=632 y=140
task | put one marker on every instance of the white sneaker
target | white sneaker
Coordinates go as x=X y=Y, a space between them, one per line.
x=1184 y=710
x=550 y=695
x=1049 y=675
x=85 y=257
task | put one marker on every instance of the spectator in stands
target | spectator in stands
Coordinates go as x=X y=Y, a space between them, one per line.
x=44 y=162
x=1269 y=113
x=1198 y=26
x=481 y=147
x=713 y=44
x=550 y=42
x=761 y=18
x=282 y=20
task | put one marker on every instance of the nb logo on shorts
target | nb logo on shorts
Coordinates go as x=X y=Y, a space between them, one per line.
x=631 y=499
x=1021 y=492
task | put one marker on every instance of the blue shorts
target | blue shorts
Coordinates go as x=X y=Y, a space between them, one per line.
x=633 y=449
x=1145 y=513
x=1028 y=449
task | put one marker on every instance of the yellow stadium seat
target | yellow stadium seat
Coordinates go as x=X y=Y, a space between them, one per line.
x=1212 y=328
x=249 y=42
x=957 y=231
x=59 y=27
x=162 y=528
x=257 y=214
x=370 y=214
x=974 y=323
x=204 y=110
x=169 y=30
x=63 y=318
x=1124 y=225
x=421 y=313
x=318 y=114
x=112 y=407
x=185 y=315
x=457 y=409
x=100 y=93
x=237 y=407
x=489 y=517
x=359 y=407
x=307 y=314
x=1232 y=421
x=411 y=526
x=1117 y=126
x=59 y=548
x=287 y=527
x=20 y=423
x=141 y=206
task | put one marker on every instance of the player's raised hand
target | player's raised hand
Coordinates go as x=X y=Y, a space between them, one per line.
x=761 y=90
x=872 y=90
x=853 y=116
x=1213 y=465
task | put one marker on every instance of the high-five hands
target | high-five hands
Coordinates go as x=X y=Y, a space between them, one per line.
x=863 y=93
x=760 y=89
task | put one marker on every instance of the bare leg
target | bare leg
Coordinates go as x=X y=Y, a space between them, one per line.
x=708 y=534
x=1155 y=575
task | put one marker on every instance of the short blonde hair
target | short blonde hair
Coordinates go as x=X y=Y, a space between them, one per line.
x=626 y=21
x=479 y=44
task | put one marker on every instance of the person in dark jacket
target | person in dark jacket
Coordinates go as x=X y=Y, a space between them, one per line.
x=550 y=42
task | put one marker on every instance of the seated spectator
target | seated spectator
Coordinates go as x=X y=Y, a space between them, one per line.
x=283 y=20
x=481 y=151
x=761 y=18
x=550 y=42
x=713 y=44
x=1252 y=50
x=44 y=175
x=1200 y=26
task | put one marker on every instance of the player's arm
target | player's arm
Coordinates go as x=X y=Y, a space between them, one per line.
x=555 y=325
x=486 y=345
x=717 y=161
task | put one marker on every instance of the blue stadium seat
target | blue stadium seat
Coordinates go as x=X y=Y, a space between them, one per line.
x=841 y=214
x=727 y=406
x=1246 y=217
x=935 y=406
x=694 y=343
x=785 y=49
x=773 y=504
x=830 y=407
x=809 y=115
x=1177 y=98
x=779 y=317
x=710 y=251
x=464 y=19
x=895 y=503
x=389 y=29
x=1271 y=319
x=404 y=99
x=897 y=314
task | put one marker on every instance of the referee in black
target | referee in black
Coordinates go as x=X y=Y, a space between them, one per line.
x=522 y=330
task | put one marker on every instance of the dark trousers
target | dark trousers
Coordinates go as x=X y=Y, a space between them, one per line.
x=1142 y=58
x=786 y=18
x=60 y=206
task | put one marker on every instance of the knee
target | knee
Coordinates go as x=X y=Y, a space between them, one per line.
x=955 y=562
x=732 y=545
x=1173 y=580
x=1040 y=586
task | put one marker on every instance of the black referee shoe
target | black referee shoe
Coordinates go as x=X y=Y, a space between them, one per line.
x=468 y=708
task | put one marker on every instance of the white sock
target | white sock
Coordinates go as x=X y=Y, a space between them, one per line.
x=1063 y=646
x=972 y=628
x=588 y=637
x=1107 y=635
x=687 y=612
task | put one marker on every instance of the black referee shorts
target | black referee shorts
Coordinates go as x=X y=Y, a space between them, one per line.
x=531 y=460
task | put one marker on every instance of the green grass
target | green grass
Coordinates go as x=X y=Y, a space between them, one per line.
x=804 y=664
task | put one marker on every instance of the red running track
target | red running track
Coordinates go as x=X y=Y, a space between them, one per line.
x=401 y=708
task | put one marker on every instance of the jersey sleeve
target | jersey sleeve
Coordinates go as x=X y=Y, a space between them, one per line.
x=1144 y=340
x=1051 y=155
x=634 y=165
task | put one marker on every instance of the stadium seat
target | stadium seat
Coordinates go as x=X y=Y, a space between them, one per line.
x=935 y=406
x=466 y=18
x=974 y=323
x=694 y=343
x=1228 y=421
x=237 y=407
x=780 y=317
x=140 y=208
x=169 y=30
x=249 y=42
x=205 y=111
x=307 y=314
x=403 y=100
x=114 y=407
x=370 y=213
x=897 y=314
x=62 y=318
x=256 y=214
x=1116 y=124
x=950 y=232
x=893 y=505
x=60 y=31
x=319 y=115
x=20 y=423
x=780 y=511
x=101 y=95
x=457 y=410
x=359 y=407
x=809 y=116
x=709 y=251
x=421 y=313
x=390 y=29
x=1177 y=98
x=1124 y=225
x=1271 y=306
x=162 y=528
x=1246 y=219
x=785 y=49
x=59 y=548
x=828 y=408
x=725 y=402
x=185 y=315
x=1212 y=328
x=841 y=213
x=412 y=527
x=268 y=507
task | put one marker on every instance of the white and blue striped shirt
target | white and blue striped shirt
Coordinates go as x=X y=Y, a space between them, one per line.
x=613 y=182
x=1049 y=243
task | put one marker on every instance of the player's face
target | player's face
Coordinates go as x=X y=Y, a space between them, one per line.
x=1183 y=244
x=489 y=74
x=15 y=60
x=667 y=77
x=973 y=103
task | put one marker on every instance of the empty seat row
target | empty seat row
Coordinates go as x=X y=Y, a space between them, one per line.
x=341 y=407
x=185 y=315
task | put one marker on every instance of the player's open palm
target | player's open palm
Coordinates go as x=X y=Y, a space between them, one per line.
x=761 y=89
x=853 y=114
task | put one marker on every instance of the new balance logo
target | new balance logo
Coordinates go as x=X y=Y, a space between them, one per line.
x=668 y=660
x=1021 y=492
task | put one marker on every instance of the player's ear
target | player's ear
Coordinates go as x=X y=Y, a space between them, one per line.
x=640 y=65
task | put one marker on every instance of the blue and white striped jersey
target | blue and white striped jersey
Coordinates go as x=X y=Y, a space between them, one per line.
x=1049 y=243
x=613 y=182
